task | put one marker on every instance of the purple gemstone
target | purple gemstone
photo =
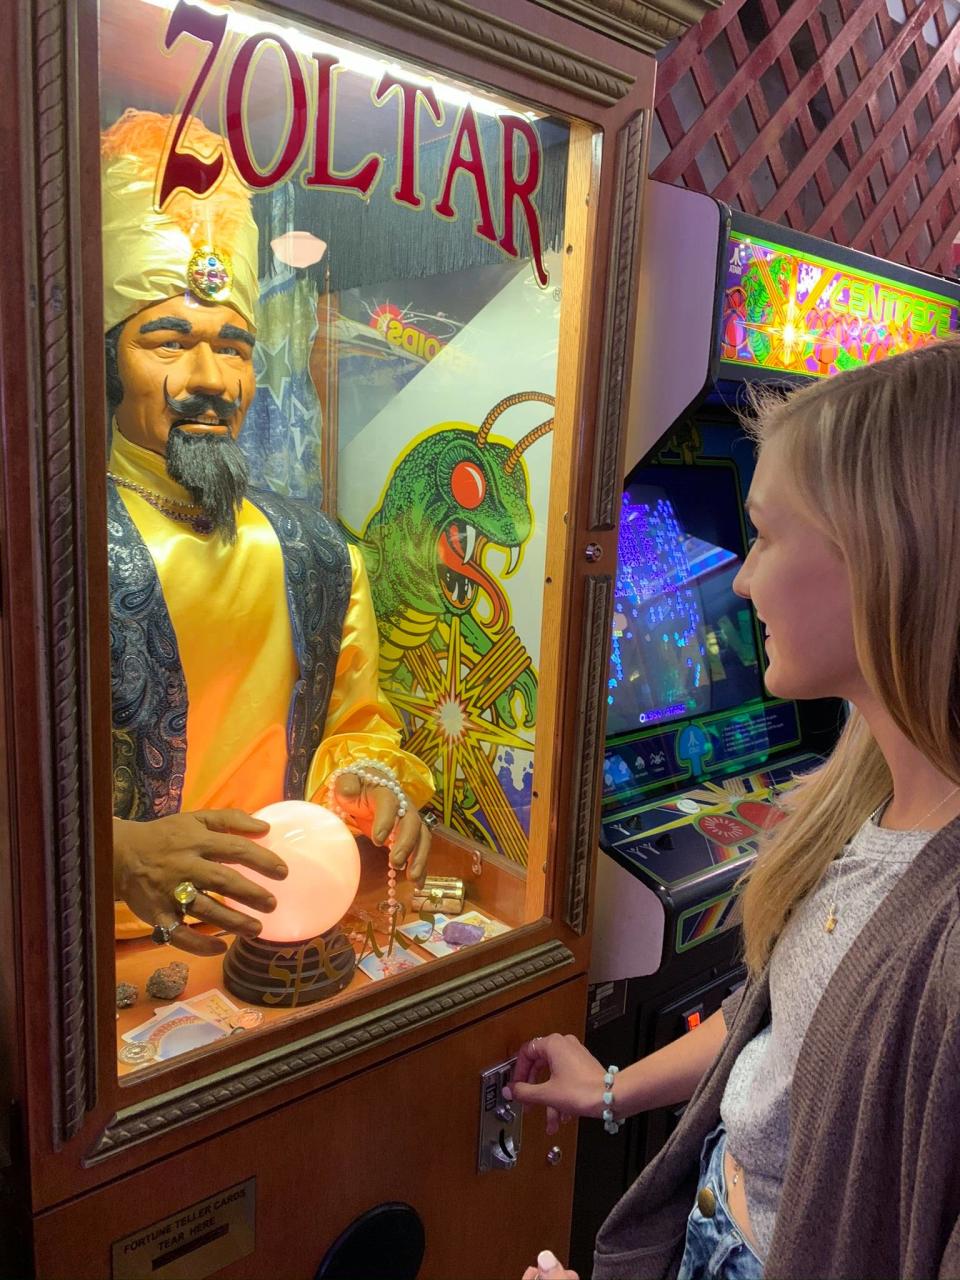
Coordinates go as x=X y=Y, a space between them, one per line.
x=461 y=935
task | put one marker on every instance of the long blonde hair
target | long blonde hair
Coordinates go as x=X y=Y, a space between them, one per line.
x=875 y=457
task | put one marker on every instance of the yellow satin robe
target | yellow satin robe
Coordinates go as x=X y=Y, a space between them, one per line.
x=228 y=608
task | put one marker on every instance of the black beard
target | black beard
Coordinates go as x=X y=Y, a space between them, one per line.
x=214 y=472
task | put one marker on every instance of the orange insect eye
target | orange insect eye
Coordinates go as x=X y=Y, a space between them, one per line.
x=468 y=486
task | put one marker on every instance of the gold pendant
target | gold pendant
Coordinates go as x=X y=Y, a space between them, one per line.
x=831 y=923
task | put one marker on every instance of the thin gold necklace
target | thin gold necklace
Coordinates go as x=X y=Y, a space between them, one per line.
x=831 y=921
x=185 y=512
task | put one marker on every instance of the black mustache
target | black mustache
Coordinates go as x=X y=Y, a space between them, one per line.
x=194 y=406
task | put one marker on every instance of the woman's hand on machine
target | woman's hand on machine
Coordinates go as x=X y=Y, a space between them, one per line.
x=151 y=858
x=575 y=1083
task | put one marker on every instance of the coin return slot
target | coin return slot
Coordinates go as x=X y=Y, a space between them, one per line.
x=500 y=1123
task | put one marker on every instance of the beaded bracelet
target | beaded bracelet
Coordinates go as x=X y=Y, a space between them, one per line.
x=384 y=777
x=609 y=1124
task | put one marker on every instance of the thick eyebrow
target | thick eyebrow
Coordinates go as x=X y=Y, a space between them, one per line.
x=176 y=323
x=237 y=334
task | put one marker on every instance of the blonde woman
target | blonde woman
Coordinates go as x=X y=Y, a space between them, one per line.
x=822 y=1138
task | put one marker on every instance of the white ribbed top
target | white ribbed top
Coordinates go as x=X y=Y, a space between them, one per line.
x=756 y=1102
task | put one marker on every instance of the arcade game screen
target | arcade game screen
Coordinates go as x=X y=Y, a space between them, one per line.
x=683 y=641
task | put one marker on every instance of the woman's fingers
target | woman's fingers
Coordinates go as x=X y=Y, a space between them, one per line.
x=530 y=1058
x=531 y=1094
x=573 y=1079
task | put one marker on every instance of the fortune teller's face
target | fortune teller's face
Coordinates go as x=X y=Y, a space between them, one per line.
x=185 y=364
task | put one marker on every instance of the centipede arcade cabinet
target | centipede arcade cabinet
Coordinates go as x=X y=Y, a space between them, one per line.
x=696 y=749
x=328 y=535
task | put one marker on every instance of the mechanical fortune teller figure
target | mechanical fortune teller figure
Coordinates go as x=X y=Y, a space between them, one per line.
x=243 y=639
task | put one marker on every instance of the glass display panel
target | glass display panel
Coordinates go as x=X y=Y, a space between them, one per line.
x=787 y=311
x=683 y=642
x=332 y=308
x=686 y=706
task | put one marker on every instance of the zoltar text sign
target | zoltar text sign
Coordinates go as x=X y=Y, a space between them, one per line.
x=314 y=89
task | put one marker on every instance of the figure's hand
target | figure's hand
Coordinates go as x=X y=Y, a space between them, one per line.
x=151 y=858
x=575 y=1084
x=373 y=810
x=549 y=1267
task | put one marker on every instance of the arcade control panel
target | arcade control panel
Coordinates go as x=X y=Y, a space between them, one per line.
x=689 y=850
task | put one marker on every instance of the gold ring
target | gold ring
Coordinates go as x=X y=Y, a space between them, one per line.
x=185 y=895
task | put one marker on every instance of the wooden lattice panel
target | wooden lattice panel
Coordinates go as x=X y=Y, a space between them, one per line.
x=837 y=117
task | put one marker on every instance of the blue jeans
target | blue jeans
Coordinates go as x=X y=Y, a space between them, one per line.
x=715 y=1248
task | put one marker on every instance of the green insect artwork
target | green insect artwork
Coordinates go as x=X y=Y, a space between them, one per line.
x=451 y=660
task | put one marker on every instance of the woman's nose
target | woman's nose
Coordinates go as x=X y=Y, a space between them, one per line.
x=741 y=583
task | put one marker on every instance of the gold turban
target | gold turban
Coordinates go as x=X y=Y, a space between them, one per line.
x=203 y=245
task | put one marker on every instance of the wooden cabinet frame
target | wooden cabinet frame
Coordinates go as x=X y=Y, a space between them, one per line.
x=75 y=1125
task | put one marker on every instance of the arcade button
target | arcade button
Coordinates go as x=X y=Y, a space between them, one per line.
x=724 y=830
x=693 y=1018
x=761 y=813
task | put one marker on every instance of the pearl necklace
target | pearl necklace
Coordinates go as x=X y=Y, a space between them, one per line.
x=831 y=921
x=185 y=512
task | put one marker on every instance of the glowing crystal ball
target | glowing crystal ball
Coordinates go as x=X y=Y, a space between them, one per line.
x=323 y=875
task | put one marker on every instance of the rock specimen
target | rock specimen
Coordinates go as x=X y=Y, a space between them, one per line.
x=127 y=994
x=461 y=935
x=169 y=982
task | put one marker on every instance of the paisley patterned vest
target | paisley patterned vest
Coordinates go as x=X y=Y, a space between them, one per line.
x=148 y=686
